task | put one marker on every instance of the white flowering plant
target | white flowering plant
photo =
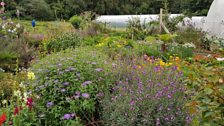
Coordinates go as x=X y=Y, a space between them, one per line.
x=10 y=29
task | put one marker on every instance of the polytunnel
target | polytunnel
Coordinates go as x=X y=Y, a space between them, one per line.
x=214 y=23
x=122 y=20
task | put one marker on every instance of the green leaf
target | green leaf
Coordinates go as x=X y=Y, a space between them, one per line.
x=208 y=114
x=208 y=91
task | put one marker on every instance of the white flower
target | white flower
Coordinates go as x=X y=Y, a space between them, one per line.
x=14 y=30
x=189 y=45
x=17 y=93
x=220 y=59
x=25 y=95
x=18 y=25
x=4 y=102
x=21 y=85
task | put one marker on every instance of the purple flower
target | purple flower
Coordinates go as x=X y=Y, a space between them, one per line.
x=49 y=104
x=86 y=83
x=77 y=95
x=132 y=102
x=61 y=72
x=85 y=95
x=55 y=81
x=63 y=90
x=169 y=95
x=94 y=63
x=98 y=69
x=71 y=69
x=59 y=64
x=67 y=116
x=66 y=83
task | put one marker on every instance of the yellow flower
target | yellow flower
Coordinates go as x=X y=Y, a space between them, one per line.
x=100 y=44
x=177 y=58
x=30 y=75
x=161 y=63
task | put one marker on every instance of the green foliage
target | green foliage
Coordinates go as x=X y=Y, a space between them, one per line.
x=92 y=40
x=196 y=7
x=62 y=42
x=68 y=83
x=166 y=37
x=76 y=21
x=64 y=9
x=206 y=84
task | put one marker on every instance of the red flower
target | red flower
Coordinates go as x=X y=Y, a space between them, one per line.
x=2 y=118
x=29 y=103
x=17 y=109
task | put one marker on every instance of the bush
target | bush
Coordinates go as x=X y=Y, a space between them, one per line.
x=76 y=21
x=67 y=84
x=62 y=42
x=146 y=93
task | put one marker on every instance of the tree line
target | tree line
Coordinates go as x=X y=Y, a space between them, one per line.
x=64 y=9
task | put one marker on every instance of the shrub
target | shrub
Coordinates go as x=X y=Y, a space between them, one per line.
x=67 y=84
x=62 y=42
x=146 y=94
x=76 y=21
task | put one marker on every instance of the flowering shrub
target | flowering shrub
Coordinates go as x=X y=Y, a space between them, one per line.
x=149 y=92
x=115 y=45
x=66 y=85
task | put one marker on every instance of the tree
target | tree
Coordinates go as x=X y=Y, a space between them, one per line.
x=37 y=9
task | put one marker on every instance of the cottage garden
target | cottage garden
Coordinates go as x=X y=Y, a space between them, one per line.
x=84 y=73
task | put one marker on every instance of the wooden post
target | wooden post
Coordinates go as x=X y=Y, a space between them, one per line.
x=160 y=19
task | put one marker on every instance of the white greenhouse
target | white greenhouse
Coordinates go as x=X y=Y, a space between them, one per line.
x=122 y=20
x=214 y=23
